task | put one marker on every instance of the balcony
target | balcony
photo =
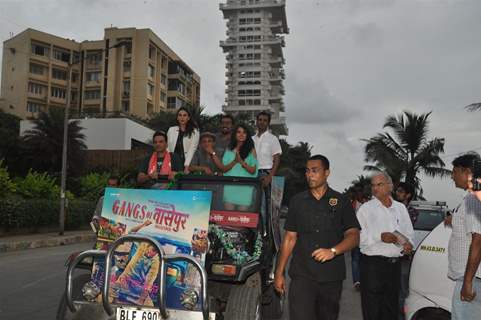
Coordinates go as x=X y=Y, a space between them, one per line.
x=235 y=5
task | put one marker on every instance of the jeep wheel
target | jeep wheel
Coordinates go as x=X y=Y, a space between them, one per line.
x=244 y=303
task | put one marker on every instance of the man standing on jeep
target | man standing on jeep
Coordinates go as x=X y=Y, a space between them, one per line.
x=321 y=226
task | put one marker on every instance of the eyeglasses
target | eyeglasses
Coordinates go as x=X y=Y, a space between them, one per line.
x=380 y=184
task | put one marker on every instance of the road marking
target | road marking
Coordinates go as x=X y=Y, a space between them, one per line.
x=39 y=280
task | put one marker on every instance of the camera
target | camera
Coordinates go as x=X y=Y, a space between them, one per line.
x=476 y=175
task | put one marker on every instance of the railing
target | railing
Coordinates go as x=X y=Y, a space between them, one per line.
x=164 y=258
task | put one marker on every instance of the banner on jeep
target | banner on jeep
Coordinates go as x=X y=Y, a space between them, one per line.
x=178 y=220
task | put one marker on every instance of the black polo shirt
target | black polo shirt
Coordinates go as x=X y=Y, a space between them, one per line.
x=319 y=224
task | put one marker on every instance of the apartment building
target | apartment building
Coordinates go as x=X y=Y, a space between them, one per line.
x=255 y=59
x=131 y=71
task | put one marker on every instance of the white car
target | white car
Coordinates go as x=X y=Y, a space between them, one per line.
x=430 y=215
x=430 y=290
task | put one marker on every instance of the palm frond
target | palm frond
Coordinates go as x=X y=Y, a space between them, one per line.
x=474 y=107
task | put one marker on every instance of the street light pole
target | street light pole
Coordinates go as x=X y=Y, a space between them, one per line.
x=63 y=178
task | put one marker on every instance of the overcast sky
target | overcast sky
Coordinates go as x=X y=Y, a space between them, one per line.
x=349 y=64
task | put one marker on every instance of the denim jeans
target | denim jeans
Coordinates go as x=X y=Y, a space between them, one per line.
x=356 y=264
x=463 y=310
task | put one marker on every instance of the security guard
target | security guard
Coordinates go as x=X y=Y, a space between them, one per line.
x=321 y=226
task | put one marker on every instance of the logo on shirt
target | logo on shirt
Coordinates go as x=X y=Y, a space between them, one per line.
x=333 y=202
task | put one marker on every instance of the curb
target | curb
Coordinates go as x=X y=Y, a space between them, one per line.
x=46 y=242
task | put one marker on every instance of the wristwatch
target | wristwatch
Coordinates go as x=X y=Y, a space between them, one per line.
x=213 y=154
x=333 y=250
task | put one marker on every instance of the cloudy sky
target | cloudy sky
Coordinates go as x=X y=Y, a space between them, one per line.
x=349 y=64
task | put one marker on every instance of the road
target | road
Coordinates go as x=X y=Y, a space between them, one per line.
x=32 y=282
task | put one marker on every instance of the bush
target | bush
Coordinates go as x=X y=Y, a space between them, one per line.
x=17 y=213
x=7 y=186
x=37 y=186
x=93 y=184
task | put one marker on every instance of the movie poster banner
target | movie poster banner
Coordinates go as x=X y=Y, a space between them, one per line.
x=178 y=220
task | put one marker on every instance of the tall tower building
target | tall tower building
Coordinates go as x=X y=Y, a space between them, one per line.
x=254 y=58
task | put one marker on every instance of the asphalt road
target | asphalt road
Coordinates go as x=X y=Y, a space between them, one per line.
x=32 y=282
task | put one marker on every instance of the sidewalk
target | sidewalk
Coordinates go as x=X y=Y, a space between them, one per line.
x=41 y=240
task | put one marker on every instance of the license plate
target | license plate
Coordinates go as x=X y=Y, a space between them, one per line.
x=137 y=314
x=132 y=313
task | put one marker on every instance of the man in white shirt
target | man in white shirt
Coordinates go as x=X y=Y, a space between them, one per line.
x=386 y=234
x=268 y=150
x=464 y=251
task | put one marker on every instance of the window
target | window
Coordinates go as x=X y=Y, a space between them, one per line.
x=249 y=93
x=248 y=83
x=33 y=107
x=58 y=92
x=171 y=102
x=249 y=102
x=74 y=76
x=73 y=96
x=61 y=55
x=128 y=48
x=40 y=50
x=150 y=108
x=36 y=69
x=151 y=52
x=93 y=76
x=94 y=58
x=250 y=74
x=150 y=90
x=151 y=71
x=163 y=79
x=163 y=96
x=35 y=88
x=163 y=62
x=59 y=74
x=126 y=106
x=126 y=85
x=127 y=65
x=249 y=56
x=92 y=94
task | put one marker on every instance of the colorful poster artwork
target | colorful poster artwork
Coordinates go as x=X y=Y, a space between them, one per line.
x=178 y=220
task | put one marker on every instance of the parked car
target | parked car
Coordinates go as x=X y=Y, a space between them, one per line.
x=431 y=214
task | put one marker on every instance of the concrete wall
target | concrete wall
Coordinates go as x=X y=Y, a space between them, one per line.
x=107 y=134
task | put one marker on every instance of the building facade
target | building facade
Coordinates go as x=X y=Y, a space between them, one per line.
x=255 y=60
x=131 y=71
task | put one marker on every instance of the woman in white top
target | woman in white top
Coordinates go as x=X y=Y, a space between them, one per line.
x=183 y=138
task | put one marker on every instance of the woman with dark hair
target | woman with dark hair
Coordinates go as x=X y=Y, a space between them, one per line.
x=183 y=138
x=239 y=161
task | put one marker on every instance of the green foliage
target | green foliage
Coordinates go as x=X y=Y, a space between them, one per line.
x=44 y=143
x=17 y=213
x=6 y=184
x=37 y=186
x=93 y=184
x=408 y=151
x=292 y=167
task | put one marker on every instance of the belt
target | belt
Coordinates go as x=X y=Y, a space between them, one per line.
x=265 y=170
x=383 y=258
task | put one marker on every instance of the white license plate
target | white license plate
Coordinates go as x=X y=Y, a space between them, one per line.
x=132 y=313
x=137 y=314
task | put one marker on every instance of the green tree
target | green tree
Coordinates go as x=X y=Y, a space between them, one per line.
x=44 y=144
x=10 y=148
x=474 y=107
x=408 y=152
x=292 y=167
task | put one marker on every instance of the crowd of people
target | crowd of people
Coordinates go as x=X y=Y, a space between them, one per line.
x=232 y=151
x=376 y=226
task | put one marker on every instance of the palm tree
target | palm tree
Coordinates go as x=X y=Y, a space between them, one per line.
x=44 y=142
x=409 y=152
x=474 y=107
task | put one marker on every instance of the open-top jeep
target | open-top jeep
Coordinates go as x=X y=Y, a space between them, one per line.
x=243 y=246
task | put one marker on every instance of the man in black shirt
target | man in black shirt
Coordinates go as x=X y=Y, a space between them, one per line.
x=321 y=226
x=160 y=163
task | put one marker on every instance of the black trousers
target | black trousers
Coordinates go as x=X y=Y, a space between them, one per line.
x=311 y=300
x=380 y=283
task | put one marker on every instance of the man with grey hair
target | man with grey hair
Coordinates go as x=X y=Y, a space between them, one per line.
x=386 y=234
